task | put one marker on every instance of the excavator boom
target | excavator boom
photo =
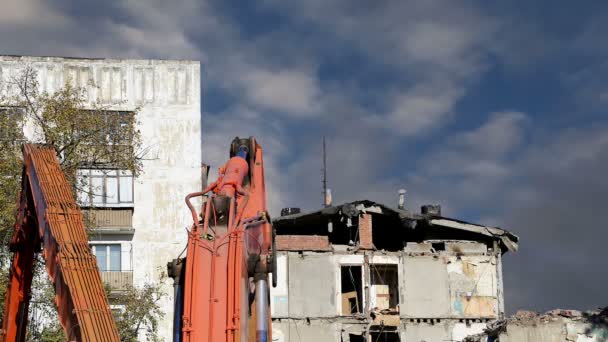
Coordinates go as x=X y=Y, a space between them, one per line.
x=48 y=215
x=222 y=287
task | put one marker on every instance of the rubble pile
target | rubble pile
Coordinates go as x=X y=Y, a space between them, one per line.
x=577 y=325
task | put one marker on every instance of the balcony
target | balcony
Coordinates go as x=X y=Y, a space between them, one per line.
x=119 y=281
x=110 y=220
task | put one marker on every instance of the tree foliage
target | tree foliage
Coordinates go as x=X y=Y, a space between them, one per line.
x=43 y=322
x=140 y=313
x=85 y=135
x=11 y=137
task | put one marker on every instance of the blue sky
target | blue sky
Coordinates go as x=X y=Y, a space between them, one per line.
x=496 y=111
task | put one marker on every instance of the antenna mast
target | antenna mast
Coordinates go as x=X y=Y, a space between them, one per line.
x=324 y=180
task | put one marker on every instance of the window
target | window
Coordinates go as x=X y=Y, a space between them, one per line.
x=108 y=257
x=384 y=289
x=105 y=188
x=352 y=289
x=385 y=336
x=116 y=125
x=117 y=310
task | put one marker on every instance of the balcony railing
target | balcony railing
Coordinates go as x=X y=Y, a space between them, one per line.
x=110 y=219
x=119 y=281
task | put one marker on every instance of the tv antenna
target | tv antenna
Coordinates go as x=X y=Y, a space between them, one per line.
x=326 y=192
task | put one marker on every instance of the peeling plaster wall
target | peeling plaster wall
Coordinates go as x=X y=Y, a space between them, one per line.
x=446 y=330
x=444 y=295
x=168 y=93
x=450 y=286
x=558 y=331
x=335 y=330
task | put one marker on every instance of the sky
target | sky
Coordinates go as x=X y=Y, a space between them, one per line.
x=494 y=110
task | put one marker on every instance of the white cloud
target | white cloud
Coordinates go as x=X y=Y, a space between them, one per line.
x=241 y=121
x=147 y=41
x=26 y=13
x=473 y=165
x=439 y=43
x=589 y=85
x=422 y=108
x=439 y=47
x=292 y=92
x=497 y=136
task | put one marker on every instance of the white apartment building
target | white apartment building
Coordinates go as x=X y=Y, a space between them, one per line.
x=140 y=222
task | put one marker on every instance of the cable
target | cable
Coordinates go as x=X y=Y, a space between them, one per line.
x=380 y=334
x=297 y=330
x=352 y=280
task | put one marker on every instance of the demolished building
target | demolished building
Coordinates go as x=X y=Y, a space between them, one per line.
x=363 y=271
x=555 y=325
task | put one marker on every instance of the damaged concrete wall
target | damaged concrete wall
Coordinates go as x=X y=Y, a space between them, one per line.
x=312 y=285
x=437 y=282
x=168 y=93
x=439 y=331
x=293 y=330
x=345 y=330
x=556 y=326
x=447 y=290
x=425 y=288
x=473 y=286
x=450 y=286
x=556 y=331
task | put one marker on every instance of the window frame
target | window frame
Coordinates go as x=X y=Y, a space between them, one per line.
x=107 y=245
x=104 y=175
x=359 y=260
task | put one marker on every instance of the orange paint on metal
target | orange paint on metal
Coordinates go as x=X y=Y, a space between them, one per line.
x=48 y=213
x=216 y=284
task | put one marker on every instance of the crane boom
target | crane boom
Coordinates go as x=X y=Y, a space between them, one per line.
x=222 y=292
x=48 y=214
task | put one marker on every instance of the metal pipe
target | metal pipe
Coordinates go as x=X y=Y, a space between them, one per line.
x=191 y=207
x=261 y=310
x=178 y=310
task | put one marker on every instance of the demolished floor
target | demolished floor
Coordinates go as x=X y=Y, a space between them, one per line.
x=555 y=326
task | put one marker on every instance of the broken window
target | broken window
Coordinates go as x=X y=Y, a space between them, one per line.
x=386 y=237
x=384 y=287
x=352 y=289
x=356 y=338
x=385 y=336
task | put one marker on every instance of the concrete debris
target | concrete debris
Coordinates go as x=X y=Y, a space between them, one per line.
x=554 y=325
x=386 y=317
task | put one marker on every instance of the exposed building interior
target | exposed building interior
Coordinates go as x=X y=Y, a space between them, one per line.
x=390 y=274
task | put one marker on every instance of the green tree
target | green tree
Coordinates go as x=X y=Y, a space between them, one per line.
x=85 y=135
x=11 y=137
x=140 y=313
x=43 y=322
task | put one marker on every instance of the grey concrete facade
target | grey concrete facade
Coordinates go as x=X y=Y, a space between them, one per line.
x=446 y=289
x=167 y=94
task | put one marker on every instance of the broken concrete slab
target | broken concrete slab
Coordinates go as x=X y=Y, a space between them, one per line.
x=555 y=325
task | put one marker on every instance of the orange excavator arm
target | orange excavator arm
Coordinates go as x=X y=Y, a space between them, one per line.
x=48 y=215
x=222 y=291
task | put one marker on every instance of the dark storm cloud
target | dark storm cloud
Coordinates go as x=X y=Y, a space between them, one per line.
x=559 y=209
